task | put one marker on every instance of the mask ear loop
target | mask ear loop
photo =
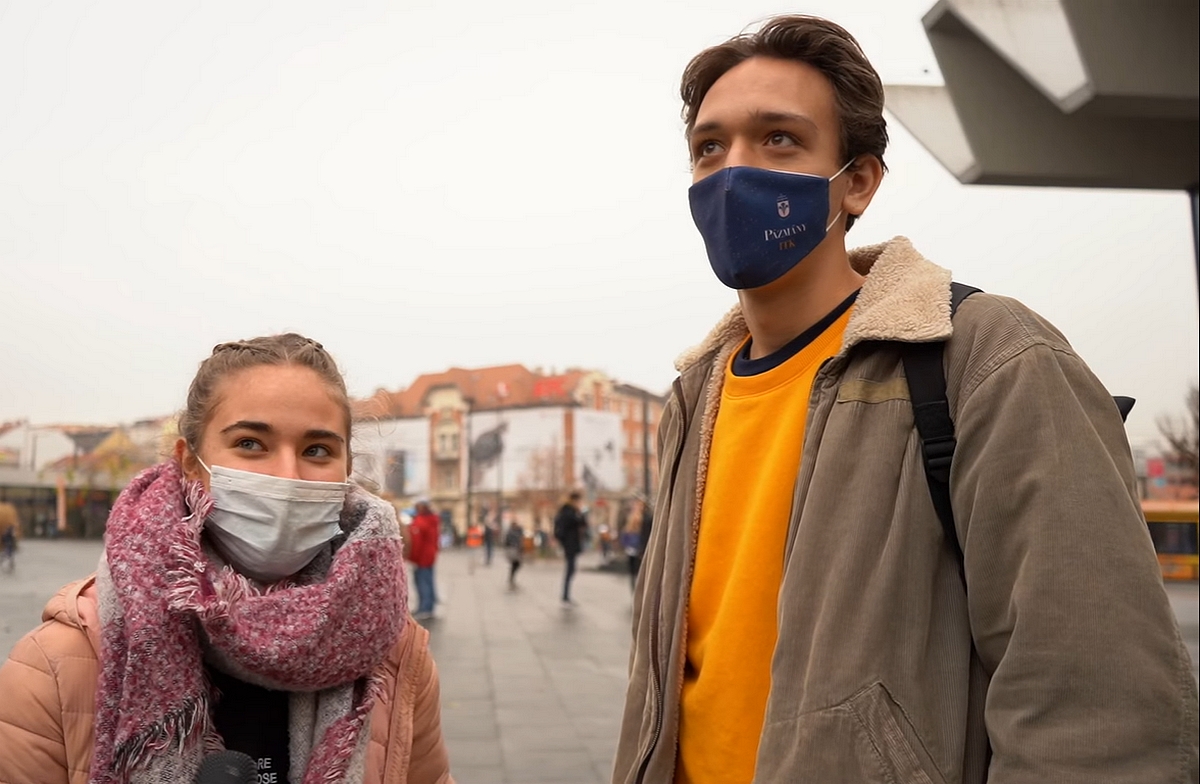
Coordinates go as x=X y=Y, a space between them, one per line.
x=831 y=179
x=205 y=465
x=839 y=171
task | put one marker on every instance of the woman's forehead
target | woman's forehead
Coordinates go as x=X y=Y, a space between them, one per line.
x=286 y=397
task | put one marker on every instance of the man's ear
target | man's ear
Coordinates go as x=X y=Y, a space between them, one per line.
x=863 y=177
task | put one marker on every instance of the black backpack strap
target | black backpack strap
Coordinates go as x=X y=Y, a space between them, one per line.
x=931 y=410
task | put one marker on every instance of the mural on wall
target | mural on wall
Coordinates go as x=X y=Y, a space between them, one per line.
x=508 y=448
x=518 y=451
x=393 y=455
x=487 y=450
x=598 y=466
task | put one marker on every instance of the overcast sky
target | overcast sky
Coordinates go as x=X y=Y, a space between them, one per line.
x=426 y=184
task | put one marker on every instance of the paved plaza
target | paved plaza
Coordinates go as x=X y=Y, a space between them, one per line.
x=42 y=568
x=531 y=692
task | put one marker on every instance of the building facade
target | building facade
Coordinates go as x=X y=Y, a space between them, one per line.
x=485 y=443
x=64 y=479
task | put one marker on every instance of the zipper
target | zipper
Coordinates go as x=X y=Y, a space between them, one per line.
x=655 y=675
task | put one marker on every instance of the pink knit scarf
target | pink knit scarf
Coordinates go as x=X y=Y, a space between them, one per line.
x=168 y=605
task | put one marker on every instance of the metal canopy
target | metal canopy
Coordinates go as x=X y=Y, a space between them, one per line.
x=1093 y=93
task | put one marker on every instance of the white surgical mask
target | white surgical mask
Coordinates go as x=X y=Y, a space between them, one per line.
x=270 y=527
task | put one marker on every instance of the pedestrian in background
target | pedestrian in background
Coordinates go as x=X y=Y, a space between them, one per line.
x=633 y=538
x=491 y=532
x=570 y=529
x=423 y=552
x=10 y=529
x=514 y=549
x=474 y=542
x=250 y=598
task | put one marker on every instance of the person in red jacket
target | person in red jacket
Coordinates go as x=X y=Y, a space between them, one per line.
x=424 y=532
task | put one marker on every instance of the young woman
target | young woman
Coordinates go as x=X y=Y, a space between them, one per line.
x=249 y=598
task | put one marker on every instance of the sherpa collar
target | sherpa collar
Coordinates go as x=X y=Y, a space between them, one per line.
x=905 y=298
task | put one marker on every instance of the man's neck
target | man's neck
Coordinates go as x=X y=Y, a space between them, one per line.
x=777 y=313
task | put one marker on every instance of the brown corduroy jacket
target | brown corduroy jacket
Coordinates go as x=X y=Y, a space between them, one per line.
x=1054 y=657
x=48 y=687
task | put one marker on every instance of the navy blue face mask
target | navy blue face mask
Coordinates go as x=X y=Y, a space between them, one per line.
x=758 y=224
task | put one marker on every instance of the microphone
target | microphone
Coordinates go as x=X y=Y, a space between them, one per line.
x=227 y=767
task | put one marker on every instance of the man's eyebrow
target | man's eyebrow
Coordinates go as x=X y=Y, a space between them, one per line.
x=319 y=435
x=705 y=127
x=777 y=116
x=759 y=116
x=246 y=424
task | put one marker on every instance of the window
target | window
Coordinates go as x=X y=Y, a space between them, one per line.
x=446 y=478
x=446 y=441
x=396 y=473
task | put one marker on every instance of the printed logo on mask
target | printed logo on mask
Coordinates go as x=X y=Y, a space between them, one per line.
x=784 y=233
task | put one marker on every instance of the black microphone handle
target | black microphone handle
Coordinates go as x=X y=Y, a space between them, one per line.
x=227 y=767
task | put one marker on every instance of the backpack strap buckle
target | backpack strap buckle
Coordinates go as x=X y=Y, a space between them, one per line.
x=939 y=456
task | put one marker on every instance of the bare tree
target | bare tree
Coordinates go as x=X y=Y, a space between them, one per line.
x=540 y=486
x=1182 y=435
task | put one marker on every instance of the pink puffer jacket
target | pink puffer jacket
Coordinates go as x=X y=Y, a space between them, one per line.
x=48 y=686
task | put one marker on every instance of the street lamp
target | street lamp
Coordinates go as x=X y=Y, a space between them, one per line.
x=646 y=445
x=470 y=403
x=501 y=394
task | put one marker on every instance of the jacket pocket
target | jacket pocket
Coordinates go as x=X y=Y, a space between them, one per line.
x=860 y=740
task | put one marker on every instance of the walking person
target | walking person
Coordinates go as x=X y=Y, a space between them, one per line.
x=514 y=550
x=826 y=598
x=249 y=598
x=633 y=538
x=570 y=529
x=491 y=532
x=424 y=533
x=474 y=543
x=10 y=529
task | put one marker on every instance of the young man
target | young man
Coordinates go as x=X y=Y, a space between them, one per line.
x=570 y=528
x=801 y=616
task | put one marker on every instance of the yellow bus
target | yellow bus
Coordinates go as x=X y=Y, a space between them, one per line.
x=1175 y=529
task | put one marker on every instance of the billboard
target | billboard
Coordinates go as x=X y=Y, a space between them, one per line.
x=393 y=455
x=598 y=467
x=518 y=449
x=544 y=449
